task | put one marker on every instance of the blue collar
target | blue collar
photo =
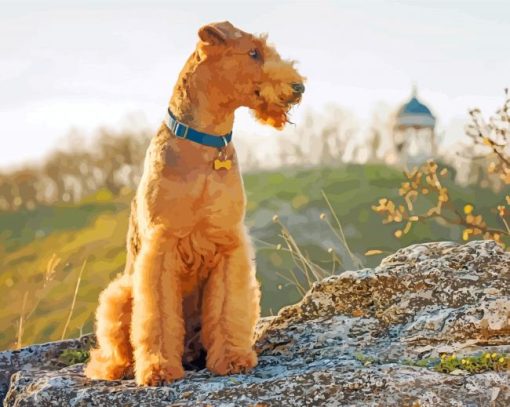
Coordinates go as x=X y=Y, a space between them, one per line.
x=180 y=130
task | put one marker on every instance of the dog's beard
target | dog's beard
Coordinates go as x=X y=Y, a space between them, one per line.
x=273 y=115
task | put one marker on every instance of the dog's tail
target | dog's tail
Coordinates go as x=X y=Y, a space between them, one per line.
x=112 y=358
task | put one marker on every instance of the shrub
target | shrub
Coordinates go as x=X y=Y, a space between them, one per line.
x=425 y=197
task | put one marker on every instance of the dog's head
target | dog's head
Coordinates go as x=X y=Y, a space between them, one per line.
x=250 y=72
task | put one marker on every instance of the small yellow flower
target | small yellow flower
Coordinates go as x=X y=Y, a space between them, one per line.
x=494 y=356
x=468 y=209
x=278 y=246
x=487 y=356
x=323 y=216
x=501 y=359
x=463 y=361
x=276 y=218
x=398 y=233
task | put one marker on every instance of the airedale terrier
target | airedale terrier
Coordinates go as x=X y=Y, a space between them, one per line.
x=189 y=280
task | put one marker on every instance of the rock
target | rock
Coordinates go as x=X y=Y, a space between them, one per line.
x=37 y=357
x=348 y=342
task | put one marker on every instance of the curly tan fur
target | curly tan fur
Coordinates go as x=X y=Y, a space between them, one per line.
x=190 y=279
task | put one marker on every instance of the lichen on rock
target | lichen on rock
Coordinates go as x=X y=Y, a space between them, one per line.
x=348 y=342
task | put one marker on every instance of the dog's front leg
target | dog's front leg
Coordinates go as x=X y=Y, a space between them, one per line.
x=231 y=310
x=157 y=331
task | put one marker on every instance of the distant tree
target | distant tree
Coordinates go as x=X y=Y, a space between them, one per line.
x=113 y=161
x=119 y=158
x=374 y=145
x=53 y=170
x=319 y=139
x=7 y=193
x=25 y=183
x=380 y=143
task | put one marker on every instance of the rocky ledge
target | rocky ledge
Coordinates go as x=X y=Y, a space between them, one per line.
x=362 y=338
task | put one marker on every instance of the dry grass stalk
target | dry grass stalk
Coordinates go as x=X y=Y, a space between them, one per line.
x=74 y=300
x=21 y=327
x=311 y=271
x=51 y=268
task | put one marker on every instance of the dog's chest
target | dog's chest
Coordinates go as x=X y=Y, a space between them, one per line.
x=182 y=190
x=223 y=201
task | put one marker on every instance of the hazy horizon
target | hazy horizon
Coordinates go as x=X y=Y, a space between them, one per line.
x=91 y=64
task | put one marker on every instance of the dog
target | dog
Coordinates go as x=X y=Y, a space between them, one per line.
x=189 y=281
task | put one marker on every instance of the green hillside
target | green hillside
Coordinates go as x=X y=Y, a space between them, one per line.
x=94 y=232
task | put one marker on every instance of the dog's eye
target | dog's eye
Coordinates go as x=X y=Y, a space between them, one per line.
x=254 y=54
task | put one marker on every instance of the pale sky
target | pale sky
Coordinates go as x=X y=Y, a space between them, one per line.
x=84 y=64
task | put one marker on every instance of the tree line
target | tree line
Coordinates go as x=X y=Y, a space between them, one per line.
x=113 y=161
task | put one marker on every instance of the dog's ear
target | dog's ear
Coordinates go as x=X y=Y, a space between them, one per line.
x=216 y=33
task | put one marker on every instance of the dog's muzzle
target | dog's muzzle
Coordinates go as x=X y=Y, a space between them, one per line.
x=298 y=88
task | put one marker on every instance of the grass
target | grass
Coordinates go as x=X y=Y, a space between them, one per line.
x=19 y=340
x=73 y=356
x=478 y=363
x=73 y=303
x=455 y=364
x=364 y=359
x=306 y=271
x=451 y=363
x=320 y=210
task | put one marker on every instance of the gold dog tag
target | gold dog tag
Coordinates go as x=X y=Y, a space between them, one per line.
x=222 y=161
x=219 y=164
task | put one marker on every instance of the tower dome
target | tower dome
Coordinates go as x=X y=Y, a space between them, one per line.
x=414 y=134
x=414 y=114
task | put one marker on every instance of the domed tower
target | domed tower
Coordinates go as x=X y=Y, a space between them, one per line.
x=414 y=132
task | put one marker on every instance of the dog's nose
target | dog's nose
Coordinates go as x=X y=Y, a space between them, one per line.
x=298 y=87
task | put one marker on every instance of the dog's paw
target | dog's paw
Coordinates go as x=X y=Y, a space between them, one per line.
x=232 y=363
x=243 y=363
x=102 y=367
x=156 y=375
